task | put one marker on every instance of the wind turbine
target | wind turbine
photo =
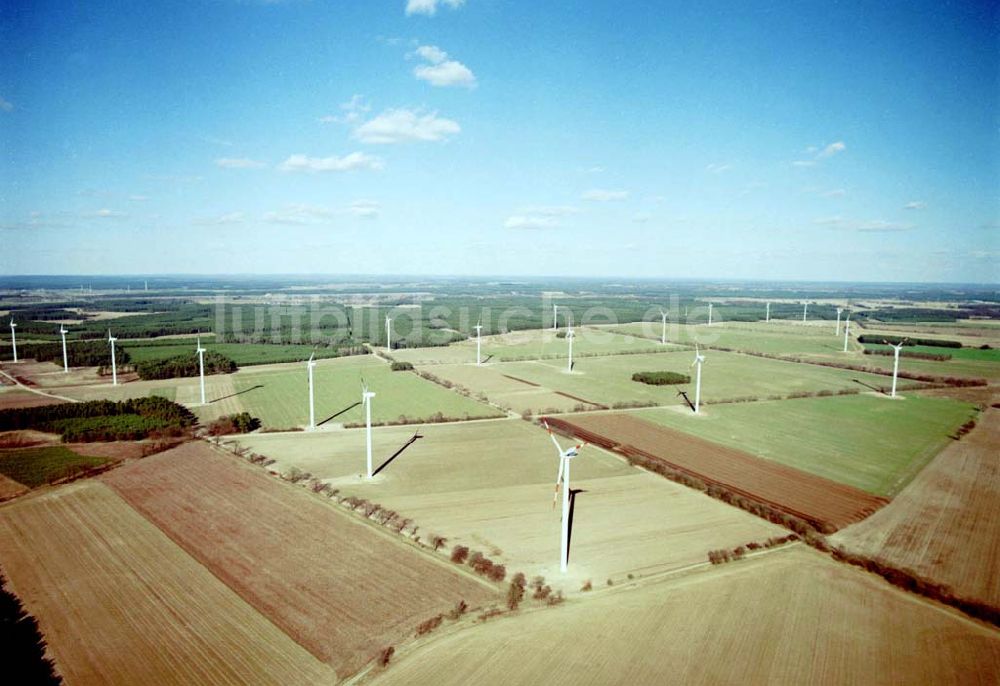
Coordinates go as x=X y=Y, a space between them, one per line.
x=847 y=329
x=805 y=308
x=201 y=368
x=895 y=362
x=767 y=317
x=663 y=332
x=479 y=340
x=563 y=479
x=709 y=314
x=114 y=365
x=569 y=339
x=13 y=336
x=698 y=360
x=555 y=317
x=312 y=404
x=63 y=332
x=366 y=400
x=388 y=333
x=839 y=310
x=145 y=285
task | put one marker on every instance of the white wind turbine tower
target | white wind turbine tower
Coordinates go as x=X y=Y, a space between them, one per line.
x=562 y=479
x=767 y=317
x=366 y=400
x=698 y=360
x=839 y=310
x=709 y=314
x=388 y=333
x=895 y=362
x=114 y=364
x=805 y=308
x=312 y=403
x=63 y=332
x=13 y=337
x=555 y=317
x=569 y=339
x=201 y=368
x=479 y=341
x=847 y=329
x=663 y=331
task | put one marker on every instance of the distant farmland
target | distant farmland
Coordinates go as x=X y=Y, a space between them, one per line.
x=119 y=602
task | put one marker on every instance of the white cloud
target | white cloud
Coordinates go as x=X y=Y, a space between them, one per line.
x=442 y=71
x=915 y=205
x=6 y=105
x=138 y=198
x=879 y=226
x=230 y=218
x=804 y=163
x=405 y=126
x=238 y=163
x=831 y=150
x=353 y=110
x=835 y=193
x=352 y=162
x=830 y=221
x=600 y=195
x=518 y=221
x=552 y=210
x=429 y=7
x=105 y=213
x=364 y=209
x=718 y=168
x=300 y=215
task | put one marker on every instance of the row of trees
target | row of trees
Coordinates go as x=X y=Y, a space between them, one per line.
x=907 y=341
x=661 y=378
x=79 y=354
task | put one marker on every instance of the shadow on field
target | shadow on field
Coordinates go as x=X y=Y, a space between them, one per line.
x=337 y=414
x=413 y=439
x=572 y=508
x=687 y=400
x=233 y=395
x=868 y=385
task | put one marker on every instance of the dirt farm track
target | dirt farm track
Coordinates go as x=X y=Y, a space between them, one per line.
x=813 y=498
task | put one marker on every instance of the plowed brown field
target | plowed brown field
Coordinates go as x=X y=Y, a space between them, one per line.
x=119 y=603
x=813 y=498
x=339 y=587
x=945 y=526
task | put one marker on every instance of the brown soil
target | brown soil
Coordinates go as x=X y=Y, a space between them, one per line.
x=813 y=498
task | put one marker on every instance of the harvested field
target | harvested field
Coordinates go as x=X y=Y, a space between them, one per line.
x=119 y=603
x=341 y=588
x=488 y=485
x=10 y=488
x=945 y=526
x=820 y=501
x=27 y=438
x=11 y=398
x=788 y=617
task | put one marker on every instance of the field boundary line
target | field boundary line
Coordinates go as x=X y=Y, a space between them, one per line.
x=36 y=391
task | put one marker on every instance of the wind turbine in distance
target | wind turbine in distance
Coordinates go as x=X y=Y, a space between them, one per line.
x=201 y=368
x=114 y=364
x=366 y=400
x=13 y=337
x=555 y=317
x=709 y=314
x=847 y=329
x=388 y=333
x=663 y=331
x=63 y=332
x=698 y=360
x=562 y=479
x=839 y=310
x=767 y=316
x=312 y=404
x=479 y=341
x=569 y=339
x=895 y=362
x=805 y=308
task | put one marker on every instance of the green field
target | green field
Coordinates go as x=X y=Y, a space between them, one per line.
x=979 y=369
x=874 y=443
x=533 y=345
x=243 y=354
x=977 y=354
x=35 y=467
x=278 y=396
x=725 y=376
x=772 y=337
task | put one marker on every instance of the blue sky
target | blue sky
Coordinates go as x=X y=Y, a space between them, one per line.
x=855 y=141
